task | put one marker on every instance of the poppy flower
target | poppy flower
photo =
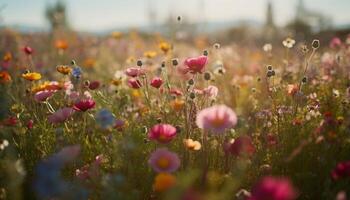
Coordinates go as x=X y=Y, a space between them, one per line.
x=61 y=44
x=163 y=133
x=163 y=160
x=134 y=83
x=7 y=57
x=217 y=118
x=28 y=50
x=5 y=77
x=134 y=72
x=31 y=76
x=196 y=64
x=84 y=105
x=60 y=115
x=156 y=82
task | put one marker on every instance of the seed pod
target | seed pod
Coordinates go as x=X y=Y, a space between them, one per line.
x=205 y=52
x=207 y=76
x=192 y=95
x=175 y=61
x=315 y=44
x=139 y=63
x=269 y=67
x=304 y=80
x=190 y=82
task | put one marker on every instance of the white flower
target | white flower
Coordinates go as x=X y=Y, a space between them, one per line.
x=4 y=144
x=289 y=43
x=267 y=47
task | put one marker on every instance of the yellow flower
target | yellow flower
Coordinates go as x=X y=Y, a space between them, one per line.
x=163 y=181
x=192 y=145
x=31 y=76
x=63 y=69
x=150 y=54
x=177 y=104
x=164 y=46
x=117 y=35
x=47 y=86
x=130 y=60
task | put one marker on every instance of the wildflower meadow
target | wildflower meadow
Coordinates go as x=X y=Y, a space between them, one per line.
x=130 y=115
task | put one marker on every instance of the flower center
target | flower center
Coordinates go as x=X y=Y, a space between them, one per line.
x=163 y=163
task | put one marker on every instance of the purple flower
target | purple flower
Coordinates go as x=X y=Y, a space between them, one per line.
x=163 y=160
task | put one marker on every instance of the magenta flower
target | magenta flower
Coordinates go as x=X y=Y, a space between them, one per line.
x=134 y=72
x=156 y=82
x=342 y=170
x=163 y=160
x=241 y=146
x=84 y=105
x=43 y=95
x=163 y=133
x=196 y=64
x=217 y=118
x=272 y=188
x=134 y=83
x=60 y=115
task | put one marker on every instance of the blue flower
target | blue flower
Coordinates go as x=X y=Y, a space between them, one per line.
x=76 y=72
x=105 y=118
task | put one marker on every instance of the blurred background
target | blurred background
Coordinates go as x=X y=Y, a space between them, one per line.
x=239 y=20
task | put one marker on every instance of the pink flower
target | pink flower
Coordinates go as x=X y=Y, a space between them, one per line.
x=241 y=146
x=60 y=115
x=335 y=42
x=43 y=95
x=196 y=64
x=217 y=118
x=134 y=72
x=30 y=124
x=342 y=170
x=163 y=160
x=134 y=83
x=28 y=50
x=272 y=188
x=156 y=82
x=163 y=133
x=211 y=91
x=84 y=105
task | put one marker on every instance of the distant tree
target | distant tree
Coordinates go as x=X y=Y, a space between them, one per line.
x=56 y=16
x=300 y=29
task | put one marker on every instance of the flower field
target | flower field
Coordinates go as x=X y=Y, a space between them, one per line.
x=128 y=116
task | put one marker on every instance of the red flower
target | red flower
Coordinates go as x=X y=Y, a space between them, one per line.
x=156 y=82
x=84 y=105
x=134 y=83
x=342 y=170
x=11 y=121
x=28 y=50
x=196 y=64
x=241 y=146
x=94 y=85
x=30 y=124
x=163 y=133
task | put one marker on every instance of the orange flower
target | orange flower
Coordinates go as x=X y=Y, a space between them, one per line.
x=150 y=54
x=4 y=77
x=177 y=104
x=31 y=76
x=163 y=182
x=164 y=46
x=292 y=89
x=7 y=57
x=61 y=44
x=192 y=145
x=89 y=62
x=63 y=69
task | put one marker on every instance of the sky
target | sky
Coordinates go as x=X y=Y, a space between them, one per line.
x=99 y=15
